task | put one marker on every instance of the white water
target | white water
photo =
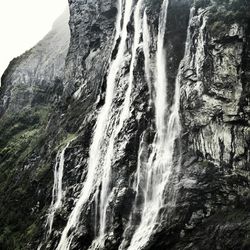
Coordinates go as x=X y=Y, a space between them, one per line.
x=153 y=176
x=158 y=169
x=196 y=56
x=140 y=181
x=174 y=124
x=200 y=53
x=160 y=164
x=146 y=51
x=123 y=116
x=101 y=125
x=57 y=192
x=39 y=247
x=137 y=187
x=161 y=103
x=188 y=55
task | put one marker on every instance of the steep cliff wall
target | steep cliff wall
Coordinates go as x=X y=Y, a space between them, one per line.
x=31 y=87
x=147 y=130
x=215 y=113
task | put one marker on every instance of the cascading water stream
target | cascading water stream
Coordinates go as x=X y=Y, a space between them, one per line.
x=139 y=182
x=153 y=176
x=146 y=51
x=160 y=163
x=161 y=104
x=196 y=55
x=140 y=174
x=101 y=125
x=123 y=116
x=174 y=124
x=200 y=54
x=57 y=192
x=139 y=188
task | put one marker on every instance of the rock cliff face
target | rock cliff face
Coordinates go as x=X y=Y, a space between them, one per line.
x=135 y=135
x=31 y=86
x=32 y=78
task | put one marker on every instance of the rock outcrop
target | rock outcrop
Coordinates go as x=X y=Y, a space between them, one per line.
x=31 y=86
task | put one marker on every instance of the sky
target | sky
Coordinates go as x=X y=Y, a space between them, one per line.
x=23 y=23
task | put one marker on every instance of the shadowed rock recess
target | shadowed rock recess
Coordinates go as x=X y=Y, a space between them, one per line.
x=129 y=128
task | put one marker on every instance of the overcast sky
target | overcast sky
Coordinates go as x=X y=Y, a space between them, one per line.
x=23 y=23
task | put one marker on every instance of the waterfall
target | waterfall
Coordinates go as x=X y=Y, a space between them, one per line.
x=158 y=167
x=160 y=163
x=57 y=192
x=153 y=173
x=196 y=52
x=139 y=189
x=188 y=55
x=123 y=116
x=101 y=125
x=200 y=53
x=146 y=51
x=174 y=124
x=161 y=104
x=118 y=21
